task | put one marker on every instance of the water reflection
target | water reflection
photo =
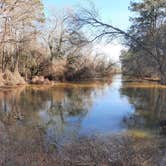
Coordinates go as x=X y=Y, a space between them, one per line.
x=149 y=103
x=44 y=117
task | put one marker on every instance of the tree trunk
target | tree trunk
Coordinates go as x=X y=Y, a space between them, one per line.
x=16 y=64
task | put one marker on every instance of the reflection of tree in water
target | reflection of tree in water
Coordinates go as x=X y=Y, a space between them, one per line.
x=149 y=103
x=12 y=117
x=64 y=117
x=9 y=108
x=57 y=112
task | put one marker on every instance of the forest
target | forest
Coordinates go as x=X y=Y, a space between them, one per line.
x=39 y=48
x=146 y=57
x=50 y=47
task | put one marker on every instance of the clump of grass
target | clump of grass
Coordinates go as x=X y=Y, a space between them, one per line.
x=139 y=134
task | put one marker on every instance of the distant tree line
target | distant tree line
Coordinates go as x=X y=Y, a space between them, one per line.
x=145 y=39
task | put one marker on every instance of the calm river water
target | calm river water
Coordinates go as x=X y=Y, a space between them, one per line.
x=65 y=112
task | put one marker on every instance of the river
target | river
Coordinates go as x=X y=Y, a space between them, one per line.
x=67 y=112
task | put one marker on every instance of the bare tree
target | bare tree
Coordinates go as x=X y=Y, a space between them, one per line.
x=19 y=20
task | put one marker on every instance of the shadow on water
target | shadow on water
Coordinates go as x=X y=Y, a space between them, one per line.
x=45 y=117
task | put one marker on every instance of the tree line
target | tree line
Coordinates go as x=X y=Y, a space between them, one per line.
x=145 y=40
x=33 y=44
x=147 y=56
x=61 y=45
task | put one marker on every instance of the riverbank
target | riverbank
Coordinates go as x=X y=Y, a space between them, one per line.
x=140 y=79
x=144 y=82
x=10 y=79
x=14 y=79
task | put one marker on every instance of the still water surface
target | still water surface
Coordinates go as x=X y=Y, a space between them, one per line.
x=67 y=112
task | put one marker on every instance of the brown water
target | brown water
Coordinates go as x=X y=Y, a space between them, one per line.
x=41 y=117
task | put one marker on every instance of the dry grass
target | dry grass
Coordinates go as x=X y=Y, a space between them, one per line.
x=111 y=151
x=9 y=78
x=80 y=85
x=144 y=85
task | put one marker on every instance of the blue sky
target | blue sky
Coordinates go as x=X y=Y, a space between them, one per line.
x=114 y=11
